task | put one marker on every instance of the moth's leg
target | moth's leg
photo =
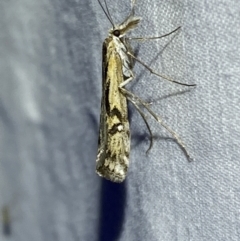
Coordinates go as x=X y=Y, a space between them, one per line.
x=121 y=87
x=145 y=120
x=158 y=37
x=135 y=99
x=160 y=75
x=128 y=80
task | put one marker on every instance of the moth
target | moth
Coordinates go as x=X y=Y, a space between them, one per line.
x=117 y=71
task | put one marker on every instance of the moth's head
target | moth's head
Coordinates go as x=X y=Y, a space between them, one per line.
x=128 y=24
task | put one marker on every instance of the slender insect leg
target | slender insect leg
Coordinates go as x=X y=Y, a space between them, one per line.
x=153 y=72
x=128 y=80
x=121 y=87
x=158 y=119
x=125 y=82
x=158 y=37
x=145 y=120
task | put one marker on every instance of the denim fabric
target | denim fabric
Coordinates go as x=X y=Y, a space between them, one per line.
x=50 y=65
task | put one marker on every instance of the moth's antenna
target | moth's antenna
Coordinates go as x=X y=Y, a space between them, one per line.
x=132 y=6
x=106 y=12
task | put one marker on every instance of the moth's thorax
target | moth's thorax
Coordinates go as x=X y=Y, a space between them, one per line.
x=119 y=46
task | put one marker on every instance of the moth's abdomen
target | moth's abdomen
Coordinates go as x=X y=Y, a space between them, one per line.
x=113 y=164
x=113 y=169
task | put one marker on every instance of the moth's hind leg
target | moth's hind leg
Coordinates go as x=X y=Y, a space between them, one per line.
x=123 y=91
x=145 y=120
x=135 y=100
